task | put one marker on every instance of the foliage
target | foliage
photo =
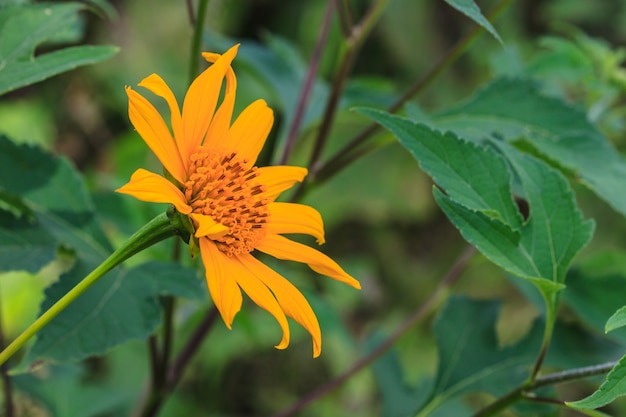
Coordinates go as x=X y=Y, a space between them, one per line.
x=519 y=156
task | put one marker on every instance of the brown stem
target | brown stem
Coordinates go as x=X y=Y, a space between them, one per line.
x=308 y=82
x=450 y=278
x=352 y=150
x=354 y=42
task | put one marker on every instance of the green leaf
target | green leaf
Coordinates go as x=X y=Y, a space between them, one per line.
x=594 y=292
x=470 y=359
x=24 y=246
x=23 y=28
x=616 y=321
x=515 y=110
x=123 y=305
x=614 y=386
x=470 y=9
x=478 y=201
x=476 y=177
x=398 y=399
x=68 y=391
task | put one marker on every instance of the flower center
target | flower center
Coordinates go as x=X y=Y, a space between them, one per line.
x=222 y=186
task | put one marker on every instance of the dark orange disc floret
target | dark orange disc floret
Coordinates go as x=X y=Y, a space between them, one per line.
x=223 y=186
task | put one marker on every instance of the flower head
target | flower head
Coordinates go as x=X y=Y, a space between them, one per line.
x=211 y=177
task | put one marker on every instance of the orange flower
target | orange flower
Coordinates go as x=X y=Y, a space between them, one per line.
x=210 y=176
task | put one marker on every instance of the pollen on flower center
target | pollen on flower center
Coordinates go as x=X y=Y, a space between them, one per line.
x=221 y=185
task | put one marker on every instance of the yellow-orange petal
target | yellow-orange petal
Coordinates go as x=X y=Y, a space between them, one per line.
x=207 y=227
x=288 y=218
x=217 y=134
x=249 y=132
x=157 y=85
x=252 y=284
x=153 y=130
x=200 y=102
x=220 y=277
x=282 y=248
x=147 y=186
x=290 y=299
x=277 y=179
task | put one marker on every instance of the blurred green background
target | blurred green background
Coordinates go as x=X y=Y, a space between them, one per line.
x=381 y=221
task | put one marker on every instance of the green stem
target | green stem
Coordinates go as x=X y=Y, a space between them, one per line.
x=158 y=229
x=196 y=44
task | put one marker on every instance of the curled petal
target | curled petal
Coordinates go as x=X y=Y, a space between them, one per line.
x=220 y=272
x=282 y=248
x=200 y=102
x=249 y=132
x=277 y=179
x=155 y=133
x=147 y=186
x=290 y=299
x=217 y=134
x=156 y=84
x=288 y=218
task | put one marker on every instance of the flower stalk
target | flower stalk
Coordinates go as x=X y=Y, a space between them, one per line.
x=161 y=227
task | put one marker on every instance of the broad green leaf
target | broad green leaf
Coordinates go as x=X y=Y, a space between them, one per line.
x=48 y=186
x=24 y=246
x=595 y=291
x=470 y=9
x=68 y=391
x=478 y=201
x=23 y=28
x=476 y=177
x=398 y=399
x=471 y=359
x=616 y=321
x=515 y=110
x=123 y=305
x=614 y=386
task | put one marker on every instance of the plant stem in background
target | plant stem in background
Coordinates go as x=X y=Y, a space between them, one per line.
x=356 y=147
x=175 y=371
x=308 y=83
x=522 y=391
x=198 y=29
x=158 y=229
x=353 y=44
x=345 y=18
x=437 y=295
x=7 y=388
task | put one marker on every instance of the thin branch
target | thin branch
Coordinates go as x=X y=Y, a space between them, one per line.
x=522 y=391
x=352 y=150
x=450 y=278
x=345 y=18
x=354 y=42
x=308 y=82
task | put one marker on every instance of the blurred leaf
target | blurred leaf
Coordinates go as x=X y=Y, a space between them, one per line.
x=515 y=110
x=398 y=399
x=64 y=392
x=470 y=359
x=616 y=321
x=614 y=386
x=23 y=28
x=123 y=305
x=470 y=9
x=24 y=246
x=595 y=294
